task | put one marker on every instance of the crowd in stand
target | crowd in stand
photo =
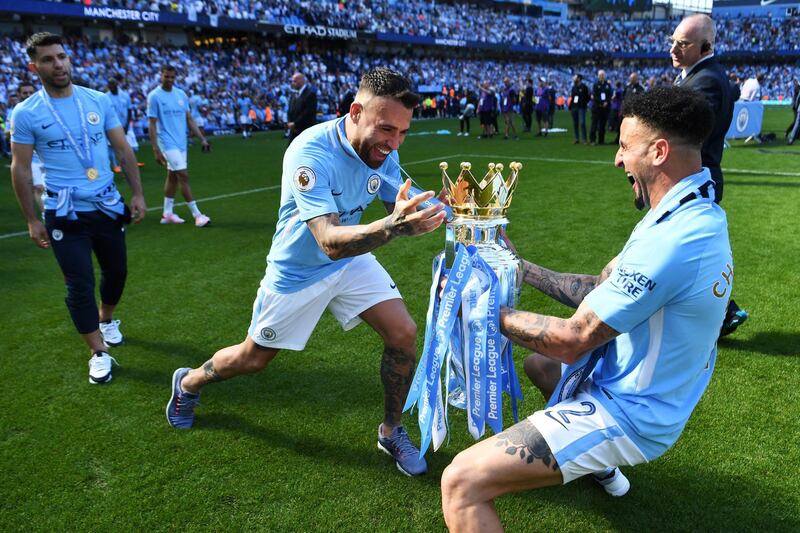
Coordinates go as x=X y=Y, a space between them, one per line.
x=464 y=21
x=219 y=78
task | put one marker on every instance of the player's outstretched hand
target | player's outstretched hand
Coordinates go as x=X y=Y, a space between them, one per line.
x=406 y=220
x=138 y=208
x=38 y=234
x=205 y=147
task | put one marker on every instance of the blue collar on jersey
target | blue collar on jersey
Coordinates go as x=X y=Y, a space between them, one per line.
x=341 y=133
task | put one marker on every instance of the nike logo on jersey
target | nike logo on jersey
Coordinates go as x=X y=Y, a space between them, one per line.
x=393 y=285
x=337 y=193
x=44 y=127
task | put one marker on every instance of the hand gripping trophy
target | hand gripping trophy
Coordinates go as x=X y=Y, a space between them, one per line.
x=472 y=278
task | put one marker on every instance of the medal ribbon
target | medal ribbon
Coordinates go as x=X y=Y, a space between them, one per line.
x=84 y=155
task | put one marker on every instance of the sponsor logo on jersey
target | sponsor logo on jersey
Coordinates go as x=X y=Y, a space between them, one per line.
x=633 y=282
x=304 y=179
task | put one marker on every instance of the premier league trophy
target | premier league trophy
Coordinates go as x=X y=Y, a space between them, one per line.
x=475 y=275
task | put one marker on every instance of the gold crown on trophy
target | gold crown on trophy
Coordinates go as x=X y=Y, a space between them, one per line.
x=487 y=199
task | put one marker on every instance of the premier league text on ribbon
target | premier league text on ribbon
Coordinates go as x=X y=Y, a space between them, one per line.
x=481 y=275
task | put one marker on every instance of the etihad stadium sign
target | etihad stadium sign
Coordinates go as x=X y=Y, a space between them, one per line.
x=320 y=31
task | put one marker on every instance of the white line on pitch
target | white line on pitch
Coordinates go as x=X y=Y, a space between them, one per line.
x=231 y=195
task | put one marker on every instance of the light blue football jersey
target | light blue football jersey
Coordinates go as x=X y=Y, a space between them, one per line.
x=321 y=174
x=34 y=157
x=170 y=108
x=667 y=296
x=121 y=102
x=32 y=123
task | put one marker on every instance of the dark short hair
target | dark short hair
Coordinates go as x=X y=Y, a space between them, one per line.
x=42 y=38
x=168 y=68
x=678 y=113
x=25 y=84
x=382 y=81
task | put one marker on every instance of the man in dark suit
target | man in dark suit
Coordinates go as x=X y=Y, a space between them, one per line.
x=578 y=103
x=692 y=51
x=526 y=105
x=302 y=106
x=601 y=107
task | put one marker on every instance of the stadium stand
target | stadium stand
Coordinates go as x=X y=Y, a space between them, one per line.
x=217 y=70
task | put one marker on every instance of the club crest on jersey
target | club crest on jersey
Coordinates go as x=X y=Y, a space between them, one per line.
x=304 y=179
x=93 y=118
x=373 y=184
x=268 y=334
x=57 y=235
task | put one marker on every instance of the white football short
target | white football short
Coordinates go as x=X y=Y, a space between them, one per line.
x=37 y=172
x=176 y=159
x=286 y=321
x=584 y=437
x=245 y=120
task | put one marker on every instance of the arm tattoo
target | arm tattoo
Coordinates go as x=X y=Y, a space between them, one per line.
x=569 y=289
x=556 y=337
x=525 y=440
x=396 y=370
x=356 y=240
x=396 y=224
x=597 y=331
x=209 y=373
x=530 y=329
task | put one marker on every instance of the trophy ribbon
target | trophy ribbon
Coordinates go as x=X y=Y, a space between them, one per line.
x=481 y=275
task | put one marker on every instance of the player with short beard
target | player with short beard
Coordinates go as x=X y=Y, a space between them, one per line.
x=641 y=346
x=70 y=127
x=320 y=256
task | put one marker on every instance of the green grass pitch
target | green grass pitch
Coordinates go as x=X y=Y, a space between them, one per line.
x=294 y=447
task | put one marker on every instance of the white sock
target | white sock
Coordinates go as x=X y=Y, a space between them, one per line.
x=168 y=203
x=195 y=211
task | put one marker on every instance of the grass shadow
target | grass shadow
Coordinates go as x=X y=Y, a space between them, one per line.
x=695 y=497
x=767 y=343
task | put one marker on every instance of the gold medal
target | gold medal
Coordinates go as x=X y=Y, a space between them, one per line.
x=92 y=173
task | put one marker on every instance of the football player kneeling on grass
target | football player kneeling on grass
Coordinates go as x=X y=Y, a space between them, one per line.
x=641 y=347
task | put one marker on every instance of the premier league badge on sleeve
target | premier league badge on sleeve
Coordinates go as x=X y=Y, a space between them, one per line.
x=373 y=184
x=93 y=118
x=304 y=179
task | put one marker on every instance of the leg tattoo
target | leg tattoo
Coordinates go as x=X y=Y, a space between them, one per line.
x=209 y=373
x=525 y=439
x=396 y=369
